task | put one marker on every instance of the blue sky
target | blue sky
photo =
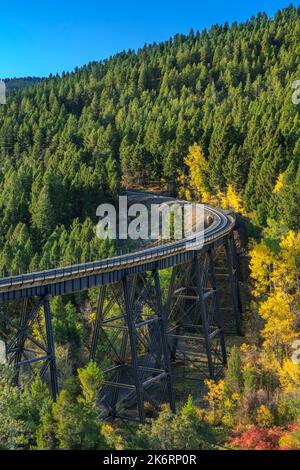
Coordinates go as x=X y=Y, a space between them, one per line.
x=38 y=37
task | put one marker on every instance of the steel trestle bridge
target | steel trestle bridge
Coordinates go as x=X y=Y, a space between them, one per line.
x=138 y=333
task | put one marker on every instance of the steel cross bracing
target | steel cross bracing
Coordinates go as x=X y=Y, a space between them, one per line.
x=130 y=344
x=135 y=336
x=195 y=323
x=30 y=342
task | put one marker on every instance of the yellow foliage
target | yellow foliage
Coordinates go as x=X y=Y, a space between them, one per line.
x=276 y=272
x=183 y=192
x=291 y=241
x=269 y=364
x=279 y=277
x=92 y=317
x=261 y=261
x=244 y=348
x=283 y=276
x=231 y=200
x=38 y=327
x=198 y=172
x=215 y=392
x=215 y=398
x=287 y=267
x=264 y=417
x=279 y=183
x=187 y=195
x=278 y=331
x=230 y=403
x=289 y=376
x=113 y=439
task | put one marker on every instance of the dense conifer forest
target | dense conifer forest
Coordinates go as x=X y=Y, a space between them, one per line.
x=219 y=100
x=16 y=84
x=67 y=142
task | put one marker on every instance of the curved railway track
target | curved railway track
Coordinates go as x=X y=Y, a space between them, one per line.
x=85 y=275
x=142 y=336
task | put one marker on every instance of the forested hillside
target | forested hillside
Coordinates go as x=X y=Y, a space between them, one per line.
x=66 y=142
x=16 y=84
x=210 y=114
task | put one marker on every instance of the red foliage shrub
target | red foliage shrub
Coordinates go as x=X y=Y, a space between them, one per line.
x=255 y=438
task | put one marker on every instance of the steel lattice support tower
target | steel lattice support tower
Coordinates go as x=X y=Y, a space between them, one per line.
x=195 y=324
x=30 y=344
x=131 y=324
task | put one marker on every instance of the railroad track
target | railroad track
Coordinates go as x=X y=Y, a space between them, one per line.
x=81 y=276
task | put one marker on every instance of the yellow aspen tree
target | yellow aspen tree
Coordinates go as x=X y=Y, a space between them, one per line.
x=232 y=200
x=289 y=376
x=215 y=397
x=261 y=262
x=287 y=268
x=278 y=331
x=198 y=172
x=279 y=183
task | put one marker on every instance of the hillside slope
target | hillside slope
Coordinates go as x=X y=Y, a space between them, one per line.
x=17 y=84
x=66 y=143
